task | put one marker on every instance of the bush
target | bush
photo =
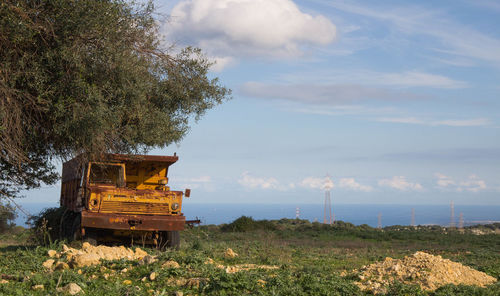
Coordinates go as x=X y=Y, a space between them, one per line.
x=244 y=223
x=46 y=225
x=7 y=216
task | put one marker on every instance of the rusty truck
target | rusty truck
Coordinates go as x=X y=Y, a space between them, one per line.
x=122 y=197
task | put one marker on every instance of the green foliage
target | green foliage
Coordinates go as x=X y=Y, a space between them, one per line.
x=312 y=259
x=7 y=216
x=90 y=77
x=245 y=223
x=46 y=225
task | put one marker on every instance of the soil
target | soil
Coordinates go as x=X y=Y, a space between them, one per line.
x=428 y=271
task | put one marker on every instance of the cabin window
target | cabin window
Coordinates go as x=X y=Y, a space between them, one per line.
x=107 y=174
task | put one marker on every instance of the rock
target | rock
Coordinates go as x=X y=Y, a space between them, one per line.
x=70 y=288
x=2 y=281
x=195 y=282
x=48 y=263
x=261 y=283
x=52 y=253
x=152 y=276
x=61 y=266
x=127 y=282
x=147 y=260
x=178 y=293
x=38 y=287
x=230 y=253
x=124 y=270
x=82 y=260
x=139 y=253
x=170 y=264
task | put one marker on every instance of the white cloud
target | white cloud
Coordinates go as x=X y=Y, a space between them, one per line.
x=201 y=182
x=450 y=122
x=253 y=182
x=322 y=94
x=400 y=183
x=472 y=184
x=413 y=20
x=324 y=183
x=248 y=27
x=444 y=181
x=350 y=183
x=221 y=63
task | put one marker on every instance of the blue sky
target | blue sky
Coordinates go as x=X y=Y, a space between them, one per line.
x=396 y=100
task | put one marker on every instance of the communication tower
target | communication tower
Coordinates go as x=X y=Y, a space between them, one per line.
x=328 y=213
x=452 y=215
x=461 y=221
x=379 y=224
x=297 y=213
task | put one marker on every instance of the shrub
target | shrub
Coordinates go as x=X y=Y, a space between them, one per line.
x=46 y=225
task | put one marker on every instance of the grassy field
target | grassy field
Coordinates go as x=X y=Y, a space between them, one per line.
x=312 y=259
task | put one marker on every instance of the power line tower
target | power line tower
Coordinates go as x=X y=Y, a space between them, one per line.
x=461 y=221
x=328 y=214
x=413 y=217
x=452 y=215
x=297 y=213
x=379 y=224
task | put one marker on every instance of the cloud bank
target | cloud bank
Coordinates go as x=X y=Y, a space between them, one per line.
x=400 y=183
x=233 y=28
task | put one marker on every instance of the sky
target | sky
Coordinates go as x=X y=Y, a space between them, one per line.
x=396 y=101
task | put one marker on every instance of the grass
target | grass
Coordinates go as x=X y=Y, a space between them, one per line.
x=313 y=259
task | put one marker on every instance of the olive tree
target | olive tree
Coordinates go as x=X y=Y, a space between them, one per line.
x=91 y=77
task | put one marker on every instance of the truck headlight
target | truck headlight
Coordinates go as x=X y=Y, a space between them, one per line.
x=175 y=206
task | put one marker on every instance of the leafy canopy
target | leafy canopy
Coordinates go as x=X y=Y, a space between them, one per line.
x=91 y=77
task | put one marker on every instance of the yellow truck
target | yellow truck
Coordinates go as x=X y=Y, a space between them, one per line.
x=122 y=197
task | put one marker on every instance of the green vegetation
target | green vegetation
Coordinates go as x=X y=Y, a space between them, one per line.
x=91 y=77
x=312 y=259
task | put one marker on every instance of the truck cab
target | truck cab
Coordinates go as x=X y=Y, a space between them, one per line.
x=122 y=196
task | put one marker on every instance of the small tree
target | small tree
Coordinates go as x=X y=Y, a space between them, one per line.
x=7 y=216
x=90 y=77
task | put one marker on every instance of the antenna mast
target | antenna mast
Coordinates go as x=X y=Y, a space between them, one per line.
x=328 y=214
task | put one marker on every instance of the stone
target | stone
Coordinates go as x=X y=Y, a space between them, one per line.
x=82 y=260
x=38 y=287
x=178 y=293
x=147 y=260
x=70 y=288
x=127 y=282
x=52 y=253
x=152 y=276
x=170 y=264
x=230 y=253
x=2 y=281
x=48 y=263
x=61 y=266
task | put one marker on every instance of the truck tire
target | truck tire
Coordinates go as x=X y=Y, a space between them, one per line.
x=173 y=239
x=76 y=230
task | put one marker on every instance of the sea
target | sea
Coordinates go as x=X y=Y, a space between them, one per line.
x=357 y=214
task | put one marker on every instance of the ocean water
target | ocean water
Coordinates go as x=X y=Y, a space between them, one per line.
x=354 y=213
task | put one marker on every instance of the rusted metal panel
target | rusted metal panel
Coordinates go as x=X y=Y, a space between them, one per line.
x=133 y=222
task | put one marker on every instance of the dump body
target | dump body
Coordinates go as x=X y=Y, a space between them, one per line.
x=122 y=193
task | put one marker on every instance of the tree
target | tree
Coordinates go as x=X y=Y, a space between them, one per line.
x=7 y=215
x=91 y=77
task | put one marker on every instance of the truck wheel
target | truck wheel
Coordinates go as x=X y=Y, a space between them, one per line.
x=76 y=230
x=173 y=239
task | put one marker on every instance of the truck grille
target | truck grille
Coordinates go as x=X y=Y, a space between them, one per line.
x=124 y=207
